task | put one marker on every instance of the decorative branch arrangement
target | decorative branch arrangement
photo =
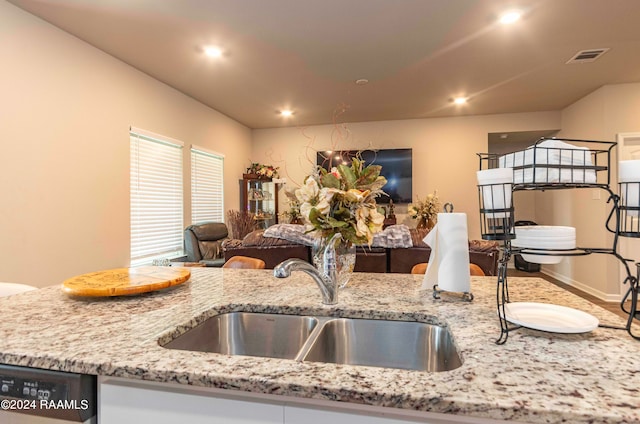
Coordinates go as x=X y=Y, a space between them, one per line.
x=240 y=223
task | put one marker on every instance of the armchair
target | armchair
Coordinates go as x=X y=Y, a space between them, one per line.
x=203 y=243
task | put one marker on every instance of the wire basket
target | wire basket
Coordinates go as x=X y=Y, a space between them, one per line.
x=629 y=206
x=496 y=211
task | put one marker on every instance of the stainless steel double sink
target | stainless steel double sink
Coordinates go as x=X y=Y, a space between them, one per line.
x=378 y=343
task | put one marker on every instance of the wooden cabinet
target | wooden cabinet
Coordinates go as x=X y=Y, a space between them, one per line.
x=260 y=197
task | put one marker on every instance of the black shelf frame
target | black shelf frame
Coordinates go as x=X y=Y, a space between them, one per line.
x=503 y=228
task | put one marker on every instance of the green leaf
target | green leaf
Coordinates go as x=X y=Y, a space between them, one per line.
x=370 y=174
x=356 y=165
x=378 y=183
x=348 y=176
x=314 y=217
x=342 y=213
x=334 y=223
x=375 y=187
x=330 y=180
x=349 y=234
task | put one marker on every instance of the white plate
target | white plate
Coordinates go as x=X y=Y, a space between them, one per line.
x=545 y=230
x=542 y=259
x=548 y=317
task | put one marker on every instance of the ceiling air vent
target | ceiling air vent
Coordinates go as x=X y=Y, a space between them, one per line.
x=586 y=56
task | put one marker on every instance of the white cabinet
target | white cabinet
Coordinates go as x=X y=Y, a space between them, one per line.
x=139 y=403
x=123 y=401
x=297 y=415
x=362 y=414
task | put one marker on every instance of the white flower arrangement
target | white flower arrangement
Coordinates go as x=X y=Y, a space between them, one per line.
x=343 y=201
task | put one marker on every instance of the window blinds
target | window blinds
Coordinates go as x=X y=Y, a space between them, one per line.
x=156 y=197
x=207 y=194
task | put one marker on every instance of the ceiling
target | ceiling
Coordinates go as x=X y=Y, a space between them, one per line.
x=416 y=54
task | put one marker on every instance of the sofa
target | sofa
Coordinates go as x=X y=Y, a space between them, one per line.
x=203 y=243
x=273 y=250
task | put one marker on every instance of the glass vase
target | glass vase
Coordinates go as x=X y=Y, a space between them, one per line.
x=345 y=258
x=427 y=224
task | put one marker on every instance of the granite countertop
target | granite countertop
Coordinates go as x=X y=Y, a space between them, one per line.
x=535 y=377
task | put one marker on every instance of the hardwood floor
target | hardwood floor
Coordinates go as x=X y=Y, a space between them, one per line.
x=610 y=306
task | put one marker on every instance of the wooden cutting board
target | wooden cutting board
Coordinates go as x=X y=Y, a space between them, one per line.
x=125 y=281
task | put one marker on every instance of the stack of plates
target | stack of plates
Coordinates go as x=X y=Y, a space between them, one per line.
x=545 y=237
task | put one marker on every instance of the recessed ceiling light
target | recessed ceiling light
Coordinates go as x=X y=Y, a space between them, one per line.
x=510 y=17
x=286 y=113
x=362 y=81
x=460 y=100
x=213 y=51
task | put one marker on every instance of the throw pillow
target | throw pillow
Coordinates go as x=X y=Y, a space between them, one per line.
x=394 y=236
x=291 y=232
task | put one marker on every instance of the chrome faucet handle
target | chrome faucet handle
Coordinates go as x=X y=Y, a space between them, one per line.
x=329 y=291
x=327 y=279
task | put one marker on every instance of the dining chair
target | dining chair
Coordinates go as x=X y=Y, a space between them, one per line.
x=421 y=268
x=244 y=262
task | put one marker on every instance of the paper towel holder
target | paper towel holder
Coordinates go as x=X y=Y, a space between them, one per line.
x=466 y=296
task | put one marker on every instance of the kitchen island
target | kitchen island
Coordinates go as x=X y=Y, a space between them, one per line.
x=535 y=377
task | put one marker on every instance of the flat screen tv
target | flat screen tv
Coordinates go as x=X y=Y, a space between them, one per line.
x=396 y=168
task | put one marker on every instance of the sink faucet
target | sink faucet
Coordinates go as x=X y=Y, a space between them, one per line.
x=327 y=280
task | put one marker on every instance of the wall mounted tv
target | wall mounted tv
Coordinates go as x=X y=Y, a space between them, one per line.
x=396 y=168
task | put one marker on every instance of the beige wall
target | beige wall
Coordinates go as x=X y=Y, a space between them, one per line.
x=65 y=111
x=444 y=150
x=64 y=169
x=599 y=116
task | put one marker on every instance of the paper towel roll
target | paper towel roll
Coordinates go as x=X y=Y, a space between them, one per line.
x=495 y=185
x=449 y=260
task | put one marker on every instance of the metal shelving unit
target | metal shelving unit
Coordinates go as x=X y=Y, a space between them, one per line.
x=538 y=172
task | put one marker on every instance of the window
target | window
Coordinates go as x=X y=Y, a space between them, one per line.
x=207 y=188
x=156 y=197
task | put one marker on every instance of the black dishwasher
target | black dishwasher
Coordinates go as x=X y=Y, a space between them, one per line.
x=33 y=395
